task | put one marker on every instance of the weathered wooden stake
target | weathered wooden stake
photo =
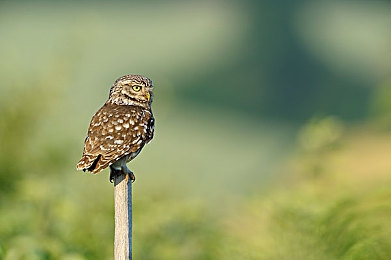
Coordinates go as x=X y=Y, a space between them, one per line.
x=123 y=218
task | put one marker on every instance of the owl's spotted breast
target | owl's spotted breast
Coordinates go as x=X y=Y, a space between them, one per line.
x=116 y=131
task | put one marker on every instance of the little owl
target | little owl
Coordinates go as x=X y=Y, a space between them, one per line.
x=121 y=128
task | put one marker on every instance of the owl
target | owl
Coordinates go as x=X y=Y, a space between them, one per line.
x=120 y=128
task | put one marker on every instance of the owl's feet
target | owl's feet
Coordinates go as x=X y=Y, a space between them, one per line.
x=128 y=174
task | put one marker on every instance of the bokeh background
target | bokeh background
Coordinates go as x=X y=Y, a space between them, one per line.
x=273 y=128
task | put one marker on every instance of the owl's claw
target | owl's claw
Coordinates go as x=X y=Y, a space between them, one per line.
x=130 y=175
x=113 y=173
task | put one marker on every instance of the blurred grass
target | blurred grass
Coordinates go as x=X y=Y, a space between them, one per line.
x=340 y=213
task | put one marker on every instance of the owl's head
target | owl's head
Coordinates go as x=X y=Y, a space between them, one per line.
x=132 y=90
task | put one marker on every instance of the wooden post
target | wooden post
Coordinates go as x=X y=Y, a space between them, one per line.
x=123 y=218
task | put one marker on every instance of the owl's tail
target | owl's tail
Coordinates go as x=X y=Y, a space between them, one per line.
x=92 y=163
x=85 y=162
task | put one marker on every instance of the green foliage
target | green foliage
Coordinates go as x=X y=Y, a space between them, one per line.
x=172 y=228
x=316 y=220
x=316 y=140
x=343 y=228
x=381 y=105
x=52 y=213
x=19 y=114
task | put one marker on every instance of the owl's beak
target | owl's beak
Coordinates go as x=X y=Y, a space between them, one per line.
x=148 y=96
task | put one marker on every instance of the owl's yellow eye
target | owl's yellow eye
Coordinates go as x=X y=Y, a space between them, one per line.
x=136 y=88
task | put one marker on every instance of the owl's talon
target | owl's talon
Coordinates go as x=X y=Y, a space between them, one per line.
x=113 y=173
x=131 y=176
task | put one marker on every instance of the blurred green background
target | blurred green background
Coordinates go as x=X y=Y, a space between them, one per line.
x=273 y=128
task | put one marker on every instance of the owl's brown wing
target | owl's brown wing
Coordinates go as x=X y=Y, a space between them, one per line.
x=115 y=131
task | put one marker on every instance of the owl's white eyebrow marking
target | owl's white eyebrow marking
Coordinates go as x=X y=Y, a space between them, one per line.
x=118 y=141
x=126 y=82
